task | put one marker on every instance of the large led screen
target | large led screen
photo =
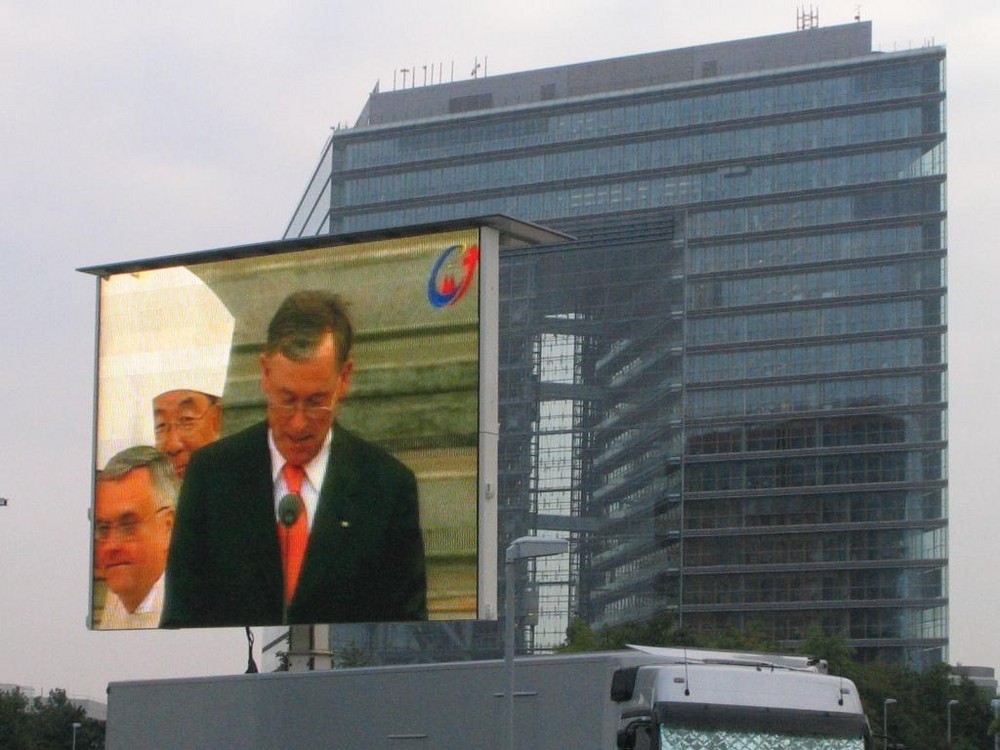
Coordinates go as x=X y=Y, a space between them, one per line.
x=290 y=435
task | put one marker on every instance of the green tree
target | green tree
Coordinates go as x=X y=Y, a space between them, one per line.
x=46 y=723
x=831 y=648
x=994 y=727
x=662 y=631
x=54 y=718
x=919 y=718
x=753 y=637
x=354 y=655
x=580 y=637
x=658 y=631
x=15 y=723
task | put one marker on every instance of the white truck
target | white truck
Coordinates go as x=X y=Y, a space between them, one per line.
x=682 y=699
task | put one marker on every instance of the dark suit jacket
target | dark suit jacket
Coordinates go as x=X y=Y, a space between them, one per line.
x=364 y=562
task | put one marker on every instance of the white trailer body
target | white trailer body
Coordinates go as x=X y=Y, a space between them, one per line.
x=600 y=701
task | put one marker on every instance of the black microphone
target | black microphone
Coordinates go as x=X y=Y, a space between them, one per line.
x=288 y=510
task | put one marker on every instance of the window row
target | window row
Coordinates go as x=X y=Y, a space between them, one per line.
x=638 y=496
x=855 y=623
x=878 y=354
x=907 y=200
x=842 y=320
x=815 y=471
x=835 y=586
x=791 y=549
x=658 y=192
x=633 y=606
x=831 y=246
x=824 y=432
x=781 y=398
x=667 y=152
x=824 y=508
x=610 y=162
x=642 y=565
x=670 y=109
x=929 y=622
x=634 y=471
x=883 y=278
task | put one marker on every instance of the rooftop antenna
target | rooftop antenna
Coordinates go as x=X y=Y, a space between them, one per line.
x=857 y=12
x=806 y=19
x=475 y=69
x=405 y=72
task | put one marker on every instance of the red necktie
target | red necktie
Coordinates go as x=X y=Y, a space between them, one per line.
x=293 y=538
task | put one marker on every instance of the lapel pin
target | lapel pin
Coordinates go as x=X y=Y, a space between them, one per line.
x=344 y=523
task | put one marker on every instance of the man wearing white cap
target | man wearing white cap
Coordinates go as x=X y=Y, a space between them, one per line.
x=184 y=421
x=165 y=344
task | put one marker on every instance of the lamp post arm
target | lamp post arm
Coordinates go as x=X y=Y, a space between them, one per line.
x=520 y=549
x=508 y=649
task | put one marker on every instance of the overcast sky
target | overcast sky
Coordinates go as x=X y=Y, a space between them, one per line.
x=136 y=129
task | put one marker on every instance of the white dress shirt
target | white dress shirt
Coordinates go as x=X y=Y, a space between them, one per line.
x=311 y=483
x=146 y=615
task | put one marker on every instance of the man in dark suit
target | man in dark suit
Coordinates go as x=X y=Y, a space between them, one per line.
x=232 y=557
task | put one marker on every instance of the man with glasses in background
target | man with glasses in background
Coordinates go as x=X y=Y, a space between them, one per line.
x=133 y=515
x=296 y=519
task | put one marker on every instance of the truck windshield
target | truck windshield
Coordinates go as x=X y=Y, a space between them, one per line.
x=684 y=738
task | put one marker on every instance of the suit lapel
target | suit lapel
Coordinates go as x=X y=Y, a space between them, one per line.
x=262 y=534
x=329 y=556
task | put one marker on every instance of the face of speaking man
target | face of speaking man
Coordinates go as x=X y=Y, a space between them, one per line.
x=132 y=534
x=185 y=421
x=303 y=398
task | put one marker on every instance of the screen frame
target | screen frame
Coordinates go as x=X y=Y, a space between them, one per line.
x=496 y=233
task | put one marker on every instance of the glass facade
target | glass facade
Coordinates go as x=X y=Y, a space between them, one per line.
x=730 y=392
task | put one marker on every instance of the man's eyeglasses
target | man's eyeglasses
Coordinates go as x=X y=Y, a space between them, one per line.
x=184 y=424
x=126 y=529
x=312 y=412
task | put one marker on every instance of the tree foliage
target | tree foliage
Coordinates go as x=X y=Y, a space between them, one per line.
x=15 y=732
x=46 y=723
x=354 y=655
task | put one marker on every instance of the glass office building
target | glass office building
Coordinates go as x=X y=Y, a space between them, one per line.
x=729 y=392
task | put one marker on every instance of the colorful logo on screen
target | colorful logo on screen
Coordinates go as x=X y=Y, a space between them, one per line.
x=452 y=274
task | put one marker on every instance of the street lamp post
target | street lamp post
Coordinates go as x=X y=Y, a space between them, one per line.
x=520 y=549
x=951 y=703
x=76 y=725
x=885 y=722
x=996 y=715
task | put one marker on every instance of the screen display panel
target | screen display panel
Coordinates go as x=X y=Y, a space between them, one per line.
x=244 y=397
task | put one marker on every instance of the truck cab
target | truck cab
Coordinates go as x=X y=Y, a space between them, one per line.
x=702 y=700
